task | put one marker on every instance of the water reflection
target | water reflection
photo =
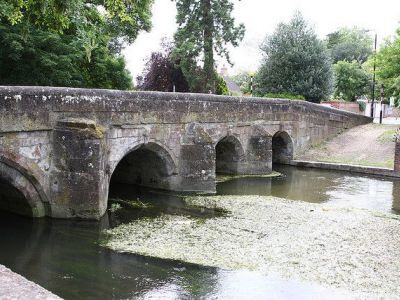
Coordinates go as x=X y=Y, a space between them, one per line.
x=322 y=186
x=64 y=257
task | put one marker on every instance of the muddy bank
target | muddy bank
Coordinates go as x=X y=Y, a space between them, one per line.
x=352 y=249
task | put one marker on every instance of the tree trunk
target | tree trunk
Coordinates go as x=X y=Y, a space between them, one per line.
x=208 y=25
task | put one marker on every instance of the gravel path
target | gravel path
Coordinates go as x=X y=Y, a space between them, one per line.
x=15 y=287
x=351 y=249
x=369 y=145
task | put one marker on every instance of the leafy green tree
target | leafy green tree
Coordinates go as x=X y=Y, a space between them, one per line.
x=351 y=80
x=121 y=18
x=350 y=44
x=295 y=62
x=388 y=66
x=205 y=27
x=50 y=59
x=243 y=80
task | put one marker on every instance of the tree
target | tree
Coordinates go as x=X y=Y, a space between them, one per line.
x=221 y=86
x=162 y=73
x=351 y=80
x=243 y=80
x=121 y=18
x=50 y=59
x=349 y=44
x=205 y=27
x=295 y=62
x=388 y=66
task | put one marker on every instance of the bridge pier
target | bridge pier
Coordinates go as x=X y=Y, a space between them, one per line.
x=79 y=187
x=197 y=162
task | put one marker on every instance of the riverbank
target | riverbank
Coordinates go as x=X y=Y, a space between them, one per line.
x=366 y=145
x=14 y=286
x=350 y=249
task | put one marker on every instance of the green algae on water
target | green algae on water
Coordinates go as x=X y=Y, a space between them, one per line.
x=344 y=248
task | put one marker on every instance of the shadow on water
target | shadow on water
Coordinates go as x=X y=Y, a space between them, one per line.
x=140 y=202
x=64 y=256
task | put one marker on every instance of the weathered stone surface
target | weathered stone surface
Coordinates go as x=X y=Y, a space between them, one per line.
x=346 y=167
x=397 y=157
x=66 y=143
x=14 y=286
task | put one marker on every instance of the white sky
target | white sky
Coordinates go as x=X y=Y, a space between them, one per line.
x=261 y=17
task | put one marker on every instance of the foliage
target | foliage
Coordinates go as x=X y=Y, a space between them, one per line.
x=243 y=80
x=295 y=62
x=161 y=73
x=205 y=27
x=221 y=87
x=284 y=96
x=349 y=45
x=50 y=59
x=119 y=18
x=351 y=80
x=388 y=66
x=362 y=105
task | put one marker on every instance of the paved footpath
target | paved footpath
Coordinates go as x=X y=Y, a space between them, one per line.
x=14 y=286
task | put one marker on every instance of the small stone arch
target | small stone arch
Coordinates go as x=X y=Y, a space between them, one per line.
x=20 y=191
x=282 y=147
x=229 y=154
x=147 y=164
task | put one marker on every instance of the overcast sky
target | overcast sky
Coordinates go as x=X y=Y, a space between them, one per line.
x=261 y=17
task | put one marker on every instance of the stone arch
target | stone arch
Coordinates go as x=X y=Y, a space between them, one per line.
x=229 y=154
x=147 y=164
x=20 y=191
x=282 y=147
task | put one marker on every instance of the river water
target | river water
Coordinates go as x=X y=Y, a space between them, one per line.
x=64 y=256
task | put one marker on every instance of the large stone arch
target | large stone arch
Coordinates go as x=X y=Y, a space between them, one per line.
x=282 y=147
x=229 y=155
x=20 y=190
x=146 y=164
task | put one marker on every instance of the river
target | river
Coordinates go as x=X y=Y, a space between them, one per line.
x=65 y=257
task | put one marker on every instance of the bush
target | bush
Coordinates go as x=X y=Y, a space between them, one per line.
x=362 y=106
x=221 y=88
x=284 y=96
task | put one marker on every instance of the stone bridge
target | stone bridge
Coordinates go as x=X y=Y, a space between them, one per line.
x=61 y=148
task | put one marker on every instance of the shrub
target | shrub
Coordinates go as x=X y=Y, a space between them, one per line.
x=284 y=96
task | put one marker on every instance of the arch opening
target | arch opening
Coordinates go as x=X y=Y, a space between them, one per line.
x=18 y=194
x=282 y=148
x=13 y=200
x=229 y=153
x=148 y=165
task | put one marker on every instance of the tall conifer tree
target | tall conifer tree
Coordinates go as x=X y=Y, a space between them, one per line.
x=205 y=28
